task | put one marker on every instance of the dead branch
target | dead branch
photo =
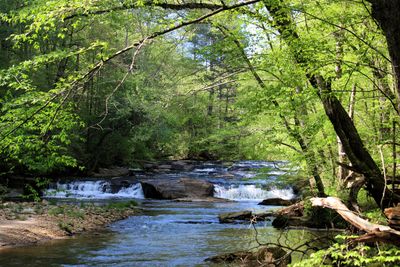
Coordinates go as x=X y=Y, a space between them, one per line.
x=375 y=232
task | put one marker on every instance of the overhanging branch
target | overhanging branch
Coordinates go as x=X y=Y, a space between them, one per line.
x=168 y=30
x=165 y=5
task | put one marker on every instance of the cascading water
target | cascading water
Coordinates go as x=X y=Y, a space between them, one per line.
x=251 y=192
x=93 y=190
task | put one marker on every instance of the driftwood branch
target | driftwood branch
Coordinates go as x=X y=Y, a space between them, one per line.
x=375 y=232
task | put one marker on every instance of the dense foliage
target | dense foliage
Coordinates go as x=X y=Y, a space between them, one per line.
x=89 y=84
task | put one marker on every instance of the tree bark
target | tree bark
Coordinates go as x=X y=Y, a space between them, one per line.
x=358 y=155
x=386 y=12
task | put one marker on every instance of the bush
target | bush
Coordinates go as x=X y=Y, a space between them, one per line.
x=341 y=254
x=3 y=192
x=34 y=191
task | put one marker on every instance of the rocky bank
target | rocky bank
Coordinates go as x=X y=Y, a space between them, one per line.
x=27 y=223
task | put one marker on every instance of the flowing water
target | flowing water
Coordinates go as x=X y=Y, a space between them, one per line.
x=168 y=233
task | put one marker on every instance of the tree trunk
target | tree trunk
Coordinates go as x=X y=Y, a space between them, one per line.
x=358 y=155
x=386 y=12
x=342 y=123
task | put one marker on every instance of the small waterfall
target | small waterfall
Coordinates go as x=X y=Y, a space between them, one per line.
x=251 y=192
x=93 y=190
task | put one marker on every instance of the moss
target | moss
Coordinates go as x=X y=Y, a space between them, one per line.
x=66 y=226
x=58 y=210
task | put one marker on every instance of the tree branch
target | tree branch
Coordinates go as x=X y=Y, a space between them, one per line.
x=126 y=6
x=168 y=30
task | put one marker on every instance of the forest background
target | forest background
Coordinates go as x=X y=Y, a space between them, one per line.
x=91 y=84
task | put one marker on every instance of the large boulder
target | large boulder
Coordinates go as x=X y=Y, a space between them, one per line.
x=277 y=202
x=177 y=188
x=264 y=256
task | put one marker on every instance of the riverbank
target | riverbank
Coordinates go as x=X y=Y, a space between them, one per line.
x=28 y=223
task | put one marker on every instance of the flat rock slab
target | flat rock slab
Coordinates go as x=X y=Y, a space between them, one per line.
x=186 y=188
x=230 y=217
x=277 y=202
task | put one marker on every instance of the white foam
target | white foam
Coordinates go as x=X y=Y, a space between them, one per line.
x=251 y=192
x=277 y=173
x=244 y=174
x=93 y=190
x=207 y=170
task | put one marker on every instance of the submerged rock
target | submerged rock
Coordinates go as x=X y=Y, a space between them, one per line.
x=277 y=202
x=264 y=256
x=230 y=217
x=177 y=188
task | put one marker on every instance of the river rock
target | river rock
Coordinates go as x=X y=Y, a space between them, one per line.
x=177 y=188
x=239 y=168
x=296 y=210
x=264 y=256
x=264 y=216
x=230 y=217
x=283 y=221
x=182 y=165
x=277 y=202
x=118 y=183
x=112 y=172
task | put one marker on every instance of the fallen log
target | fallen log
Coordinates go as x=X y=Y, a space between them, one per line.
x=375 y=232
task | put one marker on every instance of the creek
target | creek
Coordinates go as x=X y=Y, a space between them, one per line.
x=168 y=233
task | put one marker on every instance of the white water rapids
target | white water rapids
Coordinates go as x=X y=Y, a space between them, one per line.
x=251 y=192
x=102 y=190
x=93 y=190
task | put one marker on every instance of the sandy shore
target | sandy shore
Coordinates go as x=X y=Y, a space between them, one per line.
x=24 y=224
